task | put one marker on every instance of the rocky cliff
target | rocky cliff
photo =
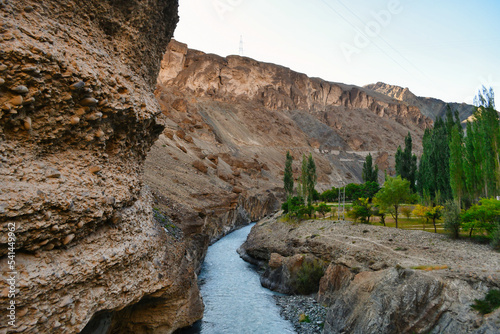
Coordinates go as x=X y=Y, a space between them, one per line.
x=77 y=118
x=381 y=280
x=428 y=106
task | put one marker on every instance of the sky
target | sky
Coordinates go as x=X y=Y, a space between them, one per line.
x=445 y=49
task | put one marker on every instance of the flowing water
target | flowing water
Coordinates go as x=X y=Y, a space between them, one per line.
x=235 y=302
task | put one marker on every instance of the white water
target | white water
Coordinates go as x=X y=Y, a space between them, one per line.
x=235 y=302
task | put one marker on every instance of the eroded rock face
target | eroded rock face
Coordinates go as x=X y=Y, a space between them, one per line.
x=384 y=280
x=77 y=117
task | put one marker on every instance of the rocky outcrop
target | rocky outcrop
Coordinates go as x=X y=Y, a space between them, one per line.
x=77 y=118
x=428 y=106
x=383 y=280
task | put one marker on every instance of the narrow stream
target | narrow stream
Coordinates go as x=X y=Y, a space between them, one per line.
x=235 y=302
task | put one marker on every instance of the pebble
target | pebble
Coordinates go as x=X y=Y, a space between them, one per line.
x=94 y=169
x=294 y=308
x=52 y=173
x=20 y=89
x=77 y=85
x=27 y=123
x=88 y=101
x=94 y=116
x=99 y=133
x=74 y=120
x=16 y=100
x=68 y=239
x=2 y=81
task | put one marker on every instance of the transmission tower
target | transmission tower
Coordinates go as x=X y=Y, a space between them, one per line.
x=241 y=45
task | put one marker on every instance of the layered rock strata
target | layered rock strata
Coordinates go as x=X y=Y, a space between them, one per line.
x=384 y=280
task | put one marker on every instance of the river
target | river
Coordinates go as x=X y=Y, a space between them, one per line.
x=235 y=302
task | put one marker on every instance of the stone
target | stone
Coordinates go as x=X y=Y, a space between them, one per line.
x=74 y=120
x=52 y=173
x=88 y=101
x=68 y=239
x=16 y=100
x=77 y=85
x=20 y=89
x=95 y=169
x=199 y=165
x=27 y=123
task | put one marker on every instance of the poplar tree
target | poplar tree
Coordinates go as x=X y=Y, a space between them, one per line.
x=288 y=176
x=457 y=173
x=406 y=162
x=369 y=173
x=303 y=179
x=311 y=178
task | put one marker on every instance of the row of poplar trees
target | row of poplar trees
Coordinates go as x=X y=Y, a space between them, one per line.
x=458 y=164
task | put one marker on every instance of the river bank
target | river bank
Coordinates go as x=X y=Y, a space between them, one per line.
x=381 y=279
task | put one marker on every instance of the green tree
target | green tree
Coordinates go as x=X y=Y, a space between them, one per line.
x=394 y=192
x=369 y=174
x=288 y=176
x=457 y=174
x=361 y=209
x=433 y=173
x=406 y=162
x=311 y=178
x=434 y=213
x=303 y=179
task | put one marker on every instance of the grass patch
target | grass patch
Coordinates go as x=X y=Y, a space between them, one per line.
x=490 y=302
x=429 y=268
x=304 y=318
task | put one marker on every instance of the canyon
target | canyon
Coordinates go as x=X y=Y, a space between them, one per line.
x=124 y=154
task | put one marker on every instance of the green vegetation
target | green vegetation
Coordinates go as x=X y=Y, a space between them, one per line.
x=288 y=176
x=370 y=174
x=308 y=276
x=406 y=162
x=395 y=192
x=490 y=302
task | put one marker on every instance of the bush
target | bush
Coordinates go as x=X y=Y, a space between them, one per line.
x=452 y=220
x=490 y=302
x=406 y=211
x=308 y=276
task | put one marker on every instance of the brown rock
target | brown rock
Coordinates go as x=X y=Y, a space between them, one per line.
x=199 y=165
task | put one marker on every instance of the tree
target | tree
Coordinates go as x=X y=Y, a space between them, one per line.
x=369 y=173
x=311 y=178
x=394 y=192
x=362 y=210
x=406 y=162
x=420 y=211
x=434 y=213
x=482 y=217
x=303 y=178
x=433 y=172
x=457 y=174
x=452 y=219
x=288 y=176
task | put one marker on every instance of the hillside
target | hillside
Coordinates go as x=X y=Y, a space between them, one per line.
x=429 y=106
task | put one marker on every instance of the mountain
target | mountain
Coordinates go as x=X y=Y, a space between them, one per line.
x=428 y=106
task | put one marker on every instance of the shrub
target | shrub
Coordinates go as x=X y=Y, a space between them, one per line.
x=406 y=211
x=490 y=302
x=308 y=276
x=495 y=237
x=452 y=220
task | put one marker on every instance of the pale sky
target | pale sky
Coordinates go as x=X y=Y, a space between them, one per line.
x=444 y=49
